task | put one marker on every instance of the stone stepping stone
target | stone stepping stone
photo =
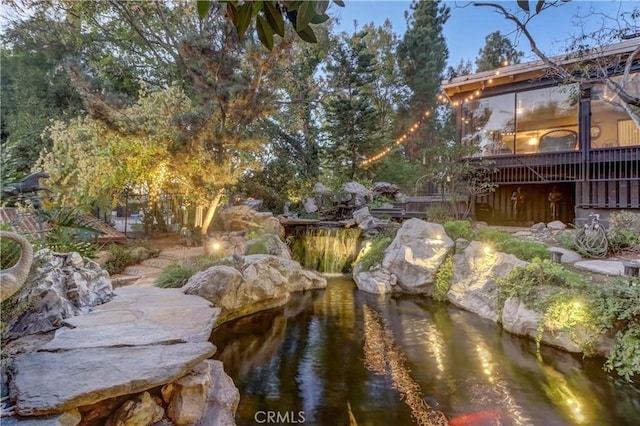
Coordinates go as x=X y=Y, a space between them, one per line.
x=142 y=271
x=567 y=256
x=158 y=262
x=123 y=280
x=605 y=267
x=53 y=382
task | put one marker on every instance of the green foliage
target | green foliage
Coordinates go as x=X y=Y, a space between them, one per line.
x=379 y=201
x=35 y=89
x=438 y=213
x=624 y=231
x=567 y=239
x=258 y=247
x=568 y=300
x=395 y=168
x=175 y=276
x=443 y=280
x=70 y=231
x=353 y=123
x=497 y=50
x=269 y=17
x=120 y=258
x=625 y=356
x=374 y=254
x=459 y=229
x=423 y=67
x=526 y=250
x=504 y=242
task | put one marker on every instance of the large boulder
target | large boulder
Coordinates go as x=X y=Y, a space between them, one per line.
x=358 y=192
x=222 y=400
x=475 y=270
x=267 y=244
x=205 y=396
x=60 y=286
x=254 y=283
x=143 y=338
x=52 y=382
x=518 y=319
x=385 y=189
x=139 y=411
x=415 y=255
x=377 y=280
x=364 y=219
x=244 y=218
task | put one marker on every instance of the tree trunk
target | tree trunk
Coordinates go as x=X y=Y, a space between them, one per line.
x=211 y=210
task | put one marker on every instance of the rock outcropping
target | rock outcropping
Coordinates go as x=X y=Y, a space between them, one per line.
x=474 y=285
x=253 y=283
x=410 y=262
x=62 y=285
x=113 y=362
x=244 y=218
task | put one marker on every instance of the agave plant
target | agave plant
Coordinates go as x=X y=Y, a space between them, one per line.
x=70 y=231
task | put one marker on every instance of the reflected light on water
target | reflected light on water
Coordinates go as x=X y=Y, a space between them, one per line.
x=382 y=356
x=499 y=385
x=571 y=400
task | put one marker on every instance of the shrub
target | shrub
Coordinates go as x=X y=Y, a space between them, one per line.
x=504 y=242
x=567 y=240
x=379 y=201
x=526 y=250
x=438 y=213
x=624 y=231
x=443 y=280
x=175 y=276
x=567 y=299
x=120 y=258
x=625 y=356
x=497 y=239
x=459 y=229
x=375 y=254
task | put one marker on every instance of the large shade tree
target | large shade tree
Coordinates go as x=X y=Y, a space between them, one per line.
x=229 y=80
x=35 y=89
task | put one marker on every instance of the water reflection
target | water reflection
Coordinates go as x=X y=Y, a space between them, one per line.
x=339 y=353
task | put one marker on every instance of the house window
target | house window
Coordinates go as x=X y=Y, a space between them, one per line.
x=611 y=126
x=540 y=120
x=547 y=119
x=489 y=124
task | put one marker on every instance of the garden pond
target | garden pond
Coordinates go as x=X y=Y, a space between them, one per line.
x=340 y=356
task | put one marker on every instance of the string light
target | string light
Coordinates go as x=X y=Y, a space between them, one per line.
x=441 y=98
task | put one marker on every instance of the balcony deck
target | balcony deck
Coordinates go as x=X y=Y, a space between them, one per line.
x=602 y=164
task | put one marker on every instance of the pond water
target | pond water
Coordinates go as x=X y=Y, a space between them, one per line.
x=340 y=356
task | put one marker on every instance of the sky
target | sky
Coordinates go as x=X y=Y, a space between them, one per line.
x=468 y=25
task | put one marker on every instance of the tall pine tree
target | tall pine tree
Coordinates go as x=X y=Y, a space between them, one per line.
x=498 y=51
x=352 y=120
x=424 y=56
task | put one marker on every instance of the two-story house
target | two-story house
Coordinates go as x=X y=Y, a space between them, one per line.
x=560 y=150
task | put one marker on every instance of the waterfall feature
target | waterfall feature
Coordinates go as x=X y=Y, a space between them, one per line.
x=327 y=250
